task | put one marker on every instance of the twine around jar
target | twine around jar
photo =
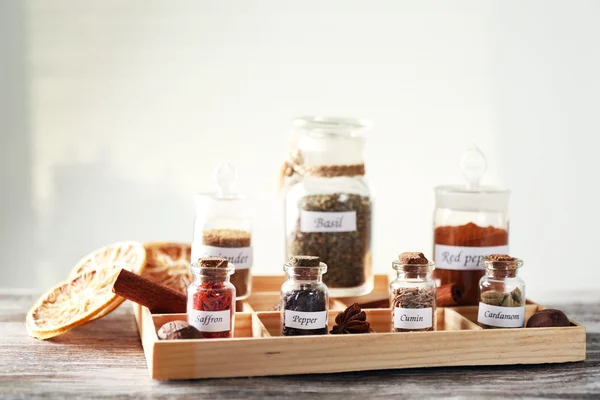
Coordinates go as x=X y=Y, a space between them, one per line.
x=295 y=166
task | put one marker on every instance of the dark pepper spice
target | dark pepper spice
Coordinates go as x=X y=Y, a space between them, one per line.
x=306 y=299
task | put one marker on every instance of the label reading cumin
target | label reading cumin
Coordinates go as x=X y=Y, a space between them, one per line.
x=413 y=318
x=501 y=317
x=210 y=321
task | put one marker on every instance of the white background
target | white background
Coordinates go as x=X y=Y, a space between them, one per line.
x=112 y=114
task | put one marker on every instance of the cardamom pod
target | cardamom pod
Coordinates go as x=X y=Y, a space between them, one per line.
x=508 y=301
x=517 y=296
x=492 y=297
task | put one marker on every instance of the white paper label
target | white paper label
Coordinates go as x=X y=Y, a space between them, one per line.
x=305 y=320
x=241 y=257
x=413 y=318
x=502 y=317
x=316 y=221
x=464 y=258
x=210 y=321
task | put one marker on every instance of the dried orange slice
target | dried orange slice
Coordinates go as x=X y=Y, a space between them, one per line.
x=87 y=294
x=168 y=263
x=127 y=255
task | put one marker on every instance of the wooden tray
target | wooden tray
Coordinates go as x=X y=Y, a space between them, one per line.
x=258 y=349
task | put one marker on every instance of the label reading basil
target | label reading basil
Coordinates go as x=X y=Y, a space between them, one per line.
x=413 y=318
x=241 y=257
x=210 y=321
x=464 y=258
x=501 y=317
x=316 y=221
x=305 y=320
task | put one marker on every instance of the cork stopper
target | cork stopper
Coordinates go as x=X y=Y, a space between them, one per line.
x=502 y=265
x=500 y=257
x=413 y=258
x=304 y=261
x=213 y=262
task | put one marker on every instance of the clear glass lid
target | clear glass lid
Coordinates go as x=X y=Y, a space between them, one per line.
x=472 y=196
x=224 y=201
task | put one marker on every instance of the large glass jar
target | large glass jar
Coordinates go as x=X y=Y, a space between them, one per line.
x=223 y=228
x=502 y=293
x=211 y=298
x=412 y=294
x=328 y=203
x=470 y=223
x=304 y=297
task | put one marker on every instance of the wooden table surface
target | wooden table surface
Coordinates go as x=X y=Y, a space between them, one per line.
x=105 y=359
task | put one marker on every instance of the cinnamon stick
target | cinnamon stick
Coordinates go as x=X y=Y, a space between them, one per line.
x=448 y=295
x=159 y=298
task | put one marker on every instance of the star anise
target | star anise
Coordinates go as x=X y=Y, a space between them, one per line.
x=351 y=320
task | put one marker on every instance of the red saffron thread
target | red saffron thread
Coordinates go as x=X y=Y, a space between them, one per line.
x=214 y=296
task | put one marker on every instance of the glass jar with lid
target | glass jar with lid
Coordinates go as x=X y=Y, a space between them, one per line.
x=470 y=223
x=223 y=228
x=501 y=293
x=412 y=294
x=328 y=203
x=304 y=297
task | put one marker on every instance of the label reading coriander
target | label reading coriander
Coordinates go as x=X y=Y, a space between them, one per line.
x=464 y=258
x=210 y=321
x=501 y=317
x=413 y=318
x=317 y=221
x=305 y=320
x=241 y=257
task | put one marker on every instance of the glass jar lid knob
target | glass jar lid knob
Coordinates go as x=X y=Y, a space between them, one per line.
x=473 y=164
x=225 y=176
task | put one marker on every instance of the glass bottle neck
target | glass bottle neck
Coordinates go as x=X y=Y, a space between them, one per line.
x=500 y=273
x=417 y=274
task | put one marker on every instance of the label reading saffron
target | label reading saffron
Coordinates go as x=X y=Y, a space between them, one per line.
x=413 y=318
x=464 y=258
x=305 y=320
x=316 y=221
x=210 y=321
x=241 y=257
x=501 y=317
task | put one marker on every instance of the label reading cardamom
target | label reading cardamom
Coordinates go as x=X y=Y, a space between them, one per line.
x=317 y=221
x=464 y=258
x=413 y=318
x=501 y=317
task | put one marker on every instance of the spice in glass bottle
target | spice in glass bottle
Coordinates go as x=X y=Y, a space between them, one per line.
x=502 y=293
x=413 y=294
x=471 y=222
x=304 y=297
x=328 y=206
x=223 y=226
x=211 y=298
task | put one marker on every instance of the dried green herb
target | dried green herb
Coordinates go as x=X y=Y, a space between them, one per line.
x=347 y=254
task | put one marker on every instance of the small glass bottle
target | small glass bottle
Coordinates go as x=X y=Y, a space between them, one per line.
x=223 y=228
x=470 y=222
x=211 y=298
x=412 y=294
x=304 y=297
x=328 y=203
x=502 y=293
